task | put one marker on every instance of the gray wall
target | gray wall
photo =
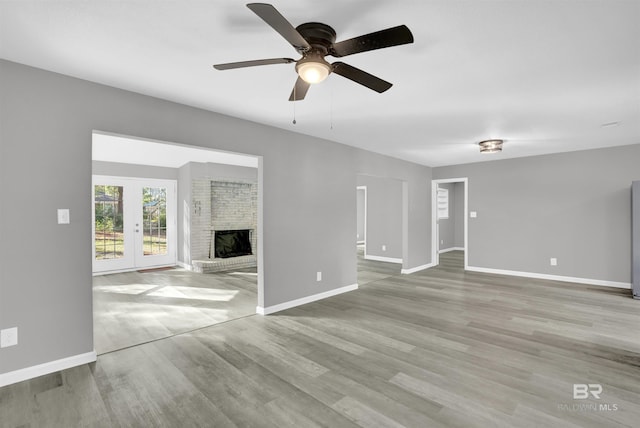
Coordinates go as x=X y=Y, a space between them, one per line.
x=384 y=216
x=636 y=239
x=573 y=206
x=416 y=202
x=130 y=170
x=360 y=212
x=47 y=122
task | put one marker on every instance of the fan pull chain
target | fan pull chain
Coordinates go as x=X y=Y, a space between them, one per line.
x=294 y=103
x=331 y=108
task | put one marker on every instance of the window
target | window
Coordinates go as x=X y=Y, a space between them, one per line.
x=443 y=203
x=109 y=238
x=154 y=202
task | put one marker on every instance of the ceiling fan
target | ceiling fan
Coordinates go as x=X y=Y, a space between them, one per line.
x=314 y=41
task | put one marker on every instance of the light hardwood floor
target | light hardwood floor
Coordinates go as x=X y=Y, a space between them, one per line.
x=437 y=348
x=138 y=307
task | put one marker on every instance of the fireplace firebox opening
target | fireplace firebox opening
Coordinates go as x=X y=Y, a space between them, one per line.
x=232 y=243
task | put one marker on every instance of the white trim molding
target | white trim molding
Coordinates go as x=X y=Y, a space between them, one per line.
x=46 y=368
x=382 y=259
x=417 y=269
x=446 y=250
x=304 y=300
x=185 y=266
x=588 y=281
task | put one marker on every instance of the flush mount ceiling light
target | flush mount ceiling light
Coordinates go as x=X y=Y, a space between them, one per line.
x=490 y=146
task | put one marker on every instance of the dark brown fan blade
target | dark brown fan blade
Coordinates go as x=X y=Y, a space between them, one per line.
x=361 y=77
x=242 y=64
x=395 y=36
x=271 y=16
x=299 y=90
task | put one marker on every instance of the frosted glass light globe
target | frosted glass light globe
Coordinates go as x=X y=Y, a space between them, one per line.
x=313 y=72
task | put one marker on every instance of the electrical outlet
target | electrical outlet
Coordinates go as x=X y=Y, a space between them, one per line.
x=384 y=248
x=318 y=276
x=553 y=261
x=473 y=214
x=8 y=337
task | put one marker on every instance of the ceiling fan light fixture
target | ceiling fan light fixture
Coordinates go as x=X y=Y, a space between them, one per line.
x=490 y=146
x=313 y=71
x=314 y=41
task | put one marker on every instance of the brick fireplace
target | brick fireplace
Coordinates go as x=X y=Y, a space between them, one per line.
x=222 y=205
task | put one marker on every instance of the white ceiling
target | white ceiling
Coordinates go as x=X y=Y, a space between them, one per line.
x=543 y=75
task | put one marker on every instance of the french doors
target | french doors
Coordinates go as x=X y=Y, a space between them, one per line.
x=134 y=223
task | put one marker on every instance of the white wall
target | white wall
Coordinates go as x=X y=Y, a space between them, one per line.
x=116 y=169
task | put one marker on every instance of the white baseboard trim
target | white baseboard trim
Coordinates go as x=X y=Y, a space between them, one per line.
x=382 y=259
x=109 y=272
x=134 y=269
x=602 y=283
x=46 y=368
x=446 y=250
x=417 y=269
x=304 y=300
x=183 y=265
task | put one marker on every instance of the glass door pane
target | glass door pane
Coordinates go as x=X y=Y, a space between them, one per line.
x=154 y=221
x=134 y=223
x=109 y=222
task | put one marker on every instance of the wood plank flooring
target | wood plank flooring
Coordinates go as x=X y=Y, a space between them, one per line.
x=438 y=348
x=137 y=307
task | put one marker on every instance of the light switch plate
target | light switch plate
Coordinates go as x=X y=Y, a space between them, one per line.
x=318 y=276
x=8 y=337
x=63 y=216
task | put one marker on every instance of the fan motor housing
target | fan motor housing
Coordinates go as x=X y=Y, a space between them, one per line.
x=320 y=36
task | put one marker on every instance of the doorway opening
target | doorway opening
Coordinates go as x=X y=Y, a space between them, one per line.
x=449 y=219
x=382 y=218
x=157 y=209
x=361 y=213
